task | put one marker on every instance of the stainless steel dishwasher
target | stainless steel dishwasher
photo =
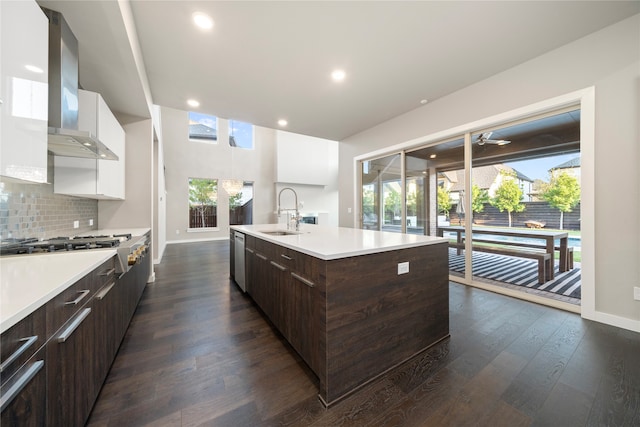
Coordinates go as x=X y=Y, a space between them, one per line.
x=238 y=255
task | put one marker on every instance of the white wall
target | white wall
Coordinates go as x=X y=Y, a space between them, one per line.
x=159 y=189
x=185 y=159
x=136 y=210
x=309 y=165
x=608 y=60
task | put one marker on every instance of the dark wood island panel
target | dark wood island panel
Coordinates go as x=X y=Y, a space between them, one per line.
x=377 y=319
x=353 y=318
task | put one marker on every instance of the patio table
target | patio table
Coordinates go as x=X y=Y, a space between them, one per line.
x=549 y=238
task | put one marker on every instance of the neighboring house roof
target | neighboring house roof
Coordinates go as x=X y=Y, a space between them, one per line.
x=573 y=163
x=485 y=176
x=200 y=131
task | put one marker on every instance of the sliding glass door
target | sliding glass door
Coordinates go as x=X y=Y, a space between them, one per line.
x=494 y=185
x=381 y=197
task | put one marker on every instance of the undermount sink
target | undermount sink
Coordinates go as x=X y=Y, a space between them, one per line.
x=280 y=232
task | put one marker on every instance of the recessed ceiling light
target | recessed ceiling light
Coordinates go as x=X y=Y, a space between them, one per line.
x=193 y=103
x=433 y=156
x=338 y=75
x=202 y=20
x=282 y=122
x=34 y=69
x=424 y=101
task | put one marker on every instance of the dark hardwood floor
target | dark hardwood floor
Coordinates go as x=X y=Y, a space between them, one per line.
x=199 y=352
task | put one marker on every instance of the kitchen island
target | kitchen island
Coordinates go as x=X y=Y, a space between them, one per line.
x=353 y=303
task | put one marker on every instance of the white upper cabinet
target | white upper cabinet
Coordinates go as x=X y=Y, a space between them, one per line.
x=98 y=179
x=24 y=64
x=303 y=159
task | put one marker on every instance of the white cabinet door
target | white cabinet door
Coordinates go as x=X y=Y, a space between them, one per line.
x=24 y=64
x=302 y=159
x=98 y=179
x=111 y=173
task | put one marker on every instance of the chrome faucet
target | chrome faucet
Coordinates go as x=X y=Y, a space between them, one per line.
x=297 y=217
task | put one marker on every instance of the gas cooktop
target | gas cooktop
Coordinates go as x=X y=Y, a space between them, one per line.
x=35 y=246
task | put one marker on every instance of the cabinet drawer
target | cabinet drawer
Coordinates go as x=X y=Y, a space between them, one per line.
x=105 y=273
x=309 y=267
x=283 y=256
x=24 y=395
x=61 y=308
x=20 y=342
x=249 y=241
x=263 y=247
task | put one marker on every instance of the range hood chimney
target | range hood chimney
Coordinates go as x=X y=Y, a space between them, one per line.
x=64 y=137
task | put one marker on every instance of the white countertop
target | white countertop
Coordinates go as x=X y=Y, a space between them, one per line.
x=338 y=242
x=29 y=281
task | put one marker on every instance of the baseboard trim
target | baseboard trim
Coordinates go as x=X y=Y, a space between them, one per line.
x=209 y=239
x=617 y=321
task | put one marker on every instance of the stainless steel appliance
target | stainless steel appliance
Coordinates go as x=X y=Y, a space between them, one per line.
x=238 y=253
x=130 y=249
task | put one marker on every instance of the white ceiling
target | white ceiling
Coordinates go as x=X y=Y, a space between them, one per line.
x=267 y=60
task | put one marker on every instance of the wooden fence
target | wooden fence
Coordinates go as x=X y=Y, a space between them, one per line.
x=534 y=211
x=200 y=217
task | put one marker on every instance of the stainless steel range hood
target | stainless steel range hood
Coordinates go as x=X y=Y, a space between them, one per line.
x=64 y=137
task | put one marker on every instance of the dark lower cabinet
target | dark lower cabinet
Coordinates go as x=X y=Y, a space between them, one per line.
x=24 y=394
x=107 y=330
x=55 y=361
x=70 y=374
x=353 y=318
x=299 y=301
x=283 y=285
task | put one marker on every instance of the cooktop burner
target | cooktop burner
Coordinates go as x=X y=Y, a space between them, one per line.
x=35 y=246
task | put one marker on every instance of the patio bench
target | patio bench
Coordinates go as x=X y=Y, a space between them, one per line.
x=530 y=245
x=544 y=259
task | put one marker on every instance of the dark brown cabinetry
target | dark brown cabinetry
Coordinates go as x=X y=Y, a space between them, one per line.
x=76 y=353
x=23 y=372
x=55 y=360
x=282 y=283
x=354 y=317
x=249 y=261
x=24 y=394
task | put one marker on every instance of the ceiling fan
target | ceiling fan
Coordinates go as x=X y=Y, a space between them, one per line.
x=485 y=139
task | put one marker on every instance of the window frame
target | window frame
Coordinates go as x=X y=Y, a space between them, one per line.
x=207 y=116
x=216 y=227
x=253 y=134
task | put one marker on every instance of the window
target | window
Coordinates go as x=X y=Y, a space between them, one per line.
x=203 y=128
x=203 y=200
x=240 y=134
x=241 y=205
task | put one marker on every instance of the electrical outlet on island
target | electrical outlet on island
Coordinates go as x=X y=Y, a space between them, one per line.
x=403 y=268
x=636 y=293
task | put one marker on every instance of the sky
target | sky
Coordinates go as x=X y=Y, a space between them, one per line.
x=539 y=168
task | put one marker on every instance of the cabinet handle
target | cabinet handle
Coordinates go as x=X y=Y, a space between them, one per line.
x=104 y=291
x=262 y=257
x=77 y=300
x=288 y=258
x=249 y=250
x=278 y=266
x=28 y=342
x=108 y=272
x=21 y=383
x=74 y=325
x=307 y=282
